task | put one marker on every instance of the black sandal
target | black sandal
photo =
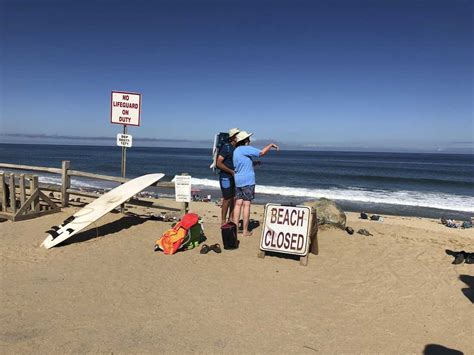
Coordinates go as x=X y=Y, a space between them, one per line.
x=205 y=249
x=216 y=248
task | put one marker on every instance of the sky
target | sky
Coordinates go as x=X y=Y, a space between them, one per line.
x=374 y=75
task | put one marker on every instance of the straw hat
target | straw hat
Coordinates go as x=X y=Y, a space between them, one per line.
x=242 y=135
x=233 y=132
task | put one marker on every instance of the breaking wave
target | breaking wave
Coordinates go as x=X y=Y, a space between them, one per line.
x=404 y=198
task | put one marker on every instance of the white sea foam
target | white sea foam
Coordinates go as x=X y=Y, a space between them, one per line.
x=404 y=198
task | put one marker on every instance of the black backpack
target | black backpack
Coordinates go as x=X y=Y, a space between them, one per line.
x=219 y=141
x=229 y=236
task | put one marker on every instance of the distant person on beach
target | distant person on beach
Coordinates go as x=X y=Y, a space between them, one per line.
x=226 y=175
x=245 y=177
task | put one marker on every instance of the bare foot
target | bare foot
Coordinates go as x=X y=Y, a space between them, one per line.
x=247 y=234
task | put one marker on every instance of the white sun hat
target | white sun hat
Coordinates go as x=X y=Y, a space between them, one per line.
x=233 y=132
x=242 y=135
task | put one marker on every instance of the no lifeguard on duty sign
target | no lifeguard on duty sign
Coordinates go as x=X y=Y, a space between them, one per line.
x=125 y=108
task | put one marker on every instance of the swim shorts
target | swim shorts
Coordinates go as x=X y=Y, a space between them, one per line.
x=227 y=187
x=246 y=193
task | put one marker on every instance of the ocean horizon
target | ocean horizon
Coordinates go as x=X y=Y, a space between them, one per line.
x=421 y=184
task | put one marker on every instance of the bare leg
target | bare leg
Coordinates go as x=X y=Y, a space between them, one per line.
x=246 y=217
x=231 y=209
x=236 y=214
x=224 y=208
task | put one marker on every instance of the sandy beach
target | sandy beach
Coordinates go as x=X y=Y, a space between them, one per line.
x=107 y=291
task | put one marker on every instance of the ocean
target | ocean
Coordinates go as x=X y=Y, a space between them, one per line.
x=428 y=185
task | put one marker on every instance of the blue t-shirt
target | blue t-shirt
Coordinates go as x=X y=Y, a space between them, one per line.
x=227 y=152
x=243 y=165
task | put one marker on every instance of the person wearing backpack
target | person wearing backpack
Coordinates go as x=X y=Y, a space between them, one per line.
x=245 y=177
x=225 y=165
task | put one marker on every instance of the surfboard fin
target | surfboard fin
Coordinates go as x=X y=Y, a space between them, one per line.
x=53 y=233
x=68 y=220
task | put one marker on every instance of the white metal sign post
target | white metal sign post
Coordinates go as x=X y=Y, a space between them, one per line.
x=286 y=230
x=125 y=109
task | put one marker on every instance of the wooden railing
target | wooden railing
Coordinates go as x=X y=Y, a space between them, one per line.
x=66 y=173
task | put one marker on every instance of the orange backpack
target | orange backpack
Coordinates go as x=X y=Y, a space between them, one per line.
x=172 y=239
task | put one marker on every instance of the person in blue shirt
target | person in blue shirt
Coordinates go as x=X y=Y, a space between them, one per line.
x=244 y=177
x=226 y=175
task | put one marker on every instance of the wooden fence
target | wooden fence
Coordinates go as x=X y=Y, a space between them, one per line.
x=67 y=173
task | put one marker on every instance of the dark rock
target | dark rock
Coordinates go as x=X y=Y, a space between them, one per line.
x=329 y=213
x=364 y=232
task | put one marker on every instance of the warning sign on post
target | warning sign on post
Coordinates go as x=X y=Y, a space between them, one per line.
x=286 y=229
x=124 y=140
x=125 y=108
x=182 y=186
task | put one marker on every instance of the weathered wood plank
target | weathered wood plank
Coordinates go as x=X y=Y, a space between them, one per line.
x=11 y=184
x=22 y=189
x=31 y=168
x=4 y=192
x=33 y=187
x=33 y=215
x=48 y=201
x=97 y=176
x=65 y=183
x=28 y=203
x=313 y=234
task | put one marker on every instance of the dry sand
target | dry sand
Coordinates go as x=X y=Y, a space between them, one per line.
x=108 y=292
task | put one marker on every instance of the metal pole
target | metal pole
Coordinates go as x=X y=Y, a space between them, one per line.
x=124 y=154
x=124 y=165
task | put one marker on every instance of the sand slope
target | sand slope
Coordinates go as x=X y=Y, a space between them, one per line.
x=394 y=292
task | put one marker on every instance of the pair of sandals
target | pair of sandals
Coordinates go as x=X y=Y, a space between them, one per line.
x=206 y=248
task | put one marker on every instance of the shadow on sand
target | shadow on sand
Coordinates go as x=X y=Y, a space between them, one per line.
x=468 y=291
x=123 y=223
x=435 y=349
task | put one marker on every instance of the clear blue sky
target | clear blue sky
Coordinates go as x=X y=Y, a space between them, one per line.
x=319 y=73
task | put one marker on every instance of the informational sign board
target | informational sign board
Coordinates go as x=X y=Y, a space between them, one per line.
x=124 y=140
x=182 y=186
x=286 y=229
x=125 y=108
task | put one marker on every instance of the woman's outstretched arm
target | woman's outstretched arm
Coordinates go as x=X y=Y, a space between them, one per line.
x=267 y=149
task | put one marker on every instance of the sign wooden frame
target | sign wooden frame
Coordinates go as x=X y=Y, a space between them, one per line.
x=311 y=235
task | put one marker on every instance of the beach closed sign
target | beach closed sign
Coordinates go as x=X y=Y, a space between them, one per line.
x=286 y=229
x=125 y=108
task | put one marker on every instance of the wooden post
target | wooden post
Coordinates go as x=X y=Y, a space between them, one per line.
x=33 y=187
x=184 y=205
x=12 y=193
x=313 y=234
x=4 y=192
x=65 y=183
x=22 y=190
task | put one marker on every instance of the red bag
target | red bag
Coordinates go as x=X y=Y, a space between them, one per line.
x=171 y=240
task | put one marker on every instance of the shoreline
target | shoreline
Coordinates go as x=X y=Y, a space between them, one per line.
x=347 y=206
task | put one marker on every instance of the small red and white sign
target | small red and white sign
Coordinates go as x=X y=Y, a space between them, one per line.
x=125 y=108
x=286 y=229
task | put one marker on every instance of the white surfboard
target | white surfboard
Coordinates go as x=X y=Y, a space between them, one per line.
x=214 y=153
x=98 y=208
